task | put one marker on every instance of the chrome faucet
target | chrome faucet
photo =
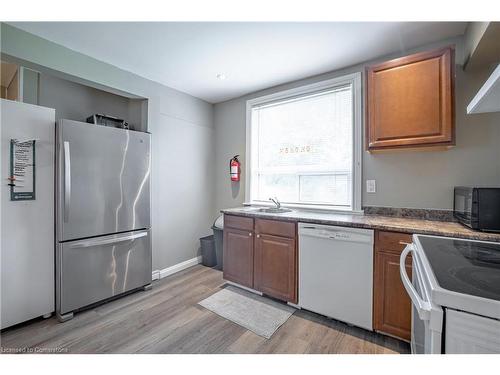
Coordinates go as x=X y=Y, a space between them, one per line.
x=276 y=202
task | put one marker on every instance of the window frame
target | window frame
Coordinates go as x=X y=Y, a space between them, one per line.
x=353 y=79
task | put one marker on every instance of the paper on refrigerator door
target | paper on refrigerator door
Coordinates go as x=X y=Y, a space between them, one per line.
x=22 y=170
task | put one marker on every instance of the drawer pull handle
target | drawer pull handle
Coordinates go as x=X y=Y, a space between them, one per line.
x=258 y=236
x=250 y=234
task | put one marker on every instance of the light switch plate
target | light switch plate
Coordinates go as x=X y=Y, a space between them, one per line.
x=371 y=186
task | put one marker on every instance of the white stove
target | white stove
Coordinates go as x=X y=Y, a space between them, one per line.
x=455 y=292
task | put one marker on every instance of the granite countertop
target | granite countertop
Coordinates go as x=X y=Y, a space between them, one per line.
x=389 y=223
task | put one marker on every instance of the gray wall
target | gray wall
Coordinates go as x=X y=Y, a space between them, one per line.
x=417 y=179
x=182 y=136
x=30 y=86
x=75 y=101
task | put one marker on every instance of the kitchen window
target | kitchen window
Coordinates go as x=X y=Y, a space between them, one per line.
x=304 y=146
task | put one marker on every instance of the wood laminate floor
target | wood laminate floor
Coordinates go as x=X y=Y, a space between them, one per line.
x=168 y=319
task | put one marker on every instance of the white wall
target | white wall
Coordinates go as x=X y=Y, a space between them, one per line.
x=415 y=179
x=182 y=135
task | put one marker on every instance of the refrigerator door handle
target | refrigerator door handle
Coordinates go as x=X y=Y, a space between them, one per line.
x=67 y=181
x=107 y=241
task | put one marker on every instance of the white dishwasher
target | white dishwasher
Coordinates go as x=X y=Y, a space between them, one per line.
x=336 y=272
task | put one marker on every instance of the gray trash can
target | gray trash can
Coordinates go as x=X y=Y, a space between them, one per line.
x=208 y=257
x=218 y=236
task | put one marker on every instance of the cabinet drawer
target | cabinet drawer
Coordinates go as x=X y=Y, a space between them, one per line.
x=391 y=241
x=238 y=222
x=275 y=228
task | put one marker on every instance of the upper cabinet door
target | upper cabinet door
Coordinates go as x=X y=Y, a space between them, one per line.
x=410 y=101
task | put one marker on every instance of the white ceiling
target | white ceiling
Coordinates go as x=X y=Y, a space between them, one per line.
x=188 y=56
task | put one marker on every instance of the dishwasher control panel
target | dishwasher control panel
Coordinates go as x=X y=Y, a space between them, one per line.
x=336 y=232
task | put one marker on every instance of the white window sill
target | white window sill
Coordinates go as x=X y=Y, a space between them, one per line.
x=309 y=207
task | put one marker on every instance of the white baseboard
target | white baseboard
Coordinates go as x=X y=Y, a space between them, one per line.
x=160 y=274
x=156 y=275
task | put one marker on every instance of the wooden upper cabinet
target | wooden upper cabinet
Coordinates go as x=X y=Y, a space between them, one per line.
x=410 y=101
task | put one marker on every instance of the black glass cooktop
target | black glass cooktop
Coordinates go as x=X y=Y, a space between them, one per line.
x=465 y=266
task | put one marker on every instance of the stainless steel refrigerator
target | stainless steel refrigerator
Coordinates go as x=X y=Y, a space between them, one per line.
x=103 y=220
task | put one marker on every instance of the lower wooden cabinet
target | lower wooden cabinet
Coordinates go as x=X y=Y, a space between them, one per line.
x=264 y=258
x=262 y=255
x=391 y=303
x=238 y=254
x=275 y=267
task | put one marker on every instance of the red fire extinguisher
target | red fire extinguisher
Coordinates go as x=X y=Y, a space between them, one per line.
x=235 y=168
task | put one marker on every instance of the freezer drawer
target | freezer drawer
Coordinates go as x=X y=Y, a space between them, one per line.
x=95 y=269
x=103 y=180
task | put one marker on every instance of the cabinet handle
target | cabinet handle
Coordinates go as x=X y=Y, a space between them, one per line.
x=258 y=236
x=404 y=243
x=250 y=234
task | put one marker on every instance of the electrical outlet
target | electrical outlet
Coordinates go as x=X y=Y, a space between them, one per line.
x=371 y=186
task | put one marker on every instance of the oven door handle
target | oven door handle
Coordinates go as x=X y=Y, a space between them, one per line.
x=423 y=307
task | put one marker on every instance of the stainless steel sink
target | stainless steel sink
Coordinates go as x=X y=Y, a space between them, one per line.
x=274 y=210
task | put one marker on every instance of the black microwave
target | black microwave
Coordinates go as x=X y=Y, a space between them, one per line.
x=477 y=208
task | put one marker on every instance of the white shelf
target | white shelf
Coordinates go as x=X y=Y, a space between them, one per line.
x=488 y=97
